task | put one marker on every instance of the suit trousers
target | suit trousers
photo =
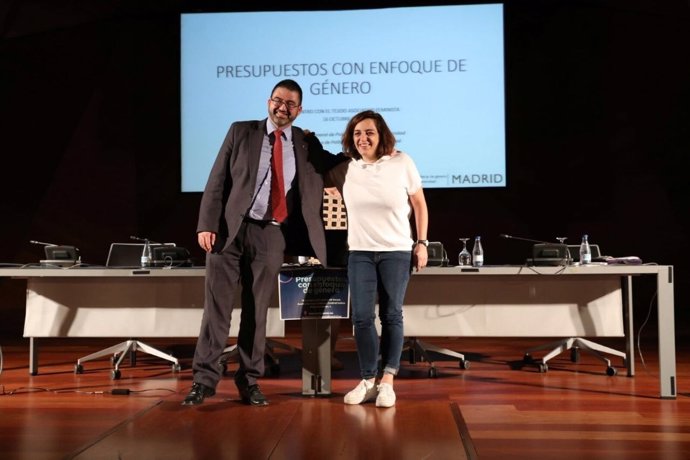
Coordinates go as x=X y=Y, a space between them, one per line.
x=251 y=262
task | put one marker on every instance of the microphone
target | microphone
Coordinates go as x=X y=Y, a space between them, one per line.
x=510 y=237
x=41 y=243
x=59 y=255
x=145 y=240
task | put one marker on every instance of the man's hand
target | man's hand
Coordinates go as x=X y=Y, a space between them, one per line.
x=332 y=191
x=206 y=240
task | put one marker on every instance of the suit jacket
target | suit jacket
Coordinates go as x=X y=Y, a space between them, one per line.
x=231 y=183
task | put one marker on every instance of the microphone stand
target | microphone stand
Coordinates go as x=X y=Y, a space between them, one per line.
x=545 y=245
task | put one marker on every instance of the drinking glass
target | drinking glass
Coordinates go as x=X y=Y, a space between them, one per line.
x=464 y=258
x=568 y=260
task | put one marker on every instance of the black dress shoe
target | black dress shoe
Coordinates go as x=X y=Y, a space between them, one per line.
x=252 y=395
x=197 y=394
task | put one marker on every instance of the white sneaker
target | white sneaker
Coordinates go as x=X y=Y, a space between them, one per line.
x=386 y=396
x=363 y=392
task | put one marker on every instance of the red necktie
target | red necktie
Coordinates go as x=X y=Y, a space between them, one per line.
x=278 y=203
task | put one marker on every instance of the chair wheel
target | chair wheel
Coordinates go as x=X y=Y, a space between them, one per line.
x=273 y=370
x=611 y=371
x=78 y=369
x=543 y=367
x=464 y=364
x=176 y=368
x=527 y=358
x=432 y=373
x=575 y=355
x=115 y=374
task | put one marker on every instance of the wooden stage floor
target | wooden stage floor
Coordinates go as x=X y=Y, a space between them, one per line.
x=496 y=409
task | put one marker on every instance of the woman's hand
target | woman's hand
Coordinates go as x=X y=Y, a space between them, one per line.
x=420 y=256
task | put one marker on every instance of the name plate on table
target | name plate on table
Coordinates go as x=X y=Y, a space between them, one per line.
x=313 y=293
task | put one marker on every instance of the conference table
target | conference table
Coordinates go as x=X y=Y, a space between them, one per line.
x=489 y=301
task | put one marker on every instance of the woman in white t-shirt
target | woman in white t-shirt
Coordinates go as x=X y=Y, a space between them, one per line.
x=380 y=186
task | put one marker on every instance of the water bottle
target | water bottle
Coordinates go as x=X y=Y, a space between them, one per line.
x=146 y=255
x=477 y=252
x=585 y=251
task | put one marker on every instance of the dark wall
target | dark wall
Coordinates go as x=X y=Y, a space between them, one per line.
x=597 y=121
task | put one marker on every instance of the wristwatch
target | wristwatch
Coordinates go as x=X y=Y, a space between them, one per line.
x=424 y=242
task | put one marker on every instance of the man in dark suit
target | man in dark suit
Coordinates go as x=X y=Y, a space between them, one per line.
x=245 y=230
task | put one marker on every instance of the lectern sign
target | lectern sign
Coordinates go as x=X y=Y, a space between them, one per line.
x=313 y=293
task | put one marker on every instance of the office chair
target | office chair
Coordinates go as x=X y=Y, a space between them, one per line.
x=418 y=351
x=575 y=344
x=126 y=348
x=335 y=221
x=335 y=216
x=127 y=255
x=271 y=359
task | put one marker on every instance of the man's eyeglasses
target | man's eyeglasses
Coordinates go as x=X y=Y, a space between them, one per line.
x=278 y=101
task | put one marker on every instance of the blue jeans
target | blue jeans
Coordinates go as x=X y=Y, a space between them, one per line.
x=385 y=274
